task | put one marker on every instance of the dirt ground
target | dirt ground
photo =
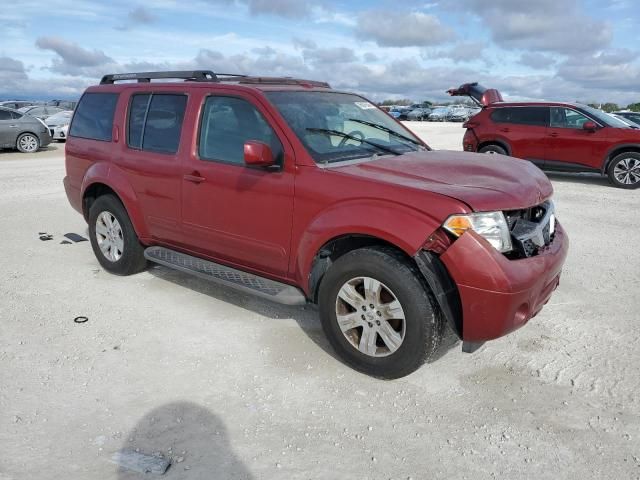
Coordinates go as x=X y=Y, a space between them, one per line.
x=233 y=387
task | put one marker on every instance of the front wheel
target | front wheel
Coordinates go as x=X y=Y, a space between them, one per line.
x=378 y=314
x=624 y=170
x=493 y=150
x=113 y=238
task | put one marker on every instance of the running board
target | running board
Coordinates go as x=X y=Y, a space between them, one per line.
x=230 y=277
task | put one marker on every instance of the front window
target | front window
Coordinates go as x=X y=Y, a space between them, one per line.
x=603 y=118
x=340 y=126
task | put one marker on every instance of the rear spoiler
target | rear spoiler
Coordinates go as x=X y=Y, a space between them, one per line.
x=479 y=94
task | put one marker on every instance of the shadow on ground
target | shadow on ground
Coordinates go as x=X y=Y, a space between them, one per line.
x=191 y=436
x=584 y=178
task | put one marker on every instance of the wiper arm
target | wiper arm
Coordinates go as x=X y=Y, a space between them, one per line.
x=386 y=129
x=338 y=133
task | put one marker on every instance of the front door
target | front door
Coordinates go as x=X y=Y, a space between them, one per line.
x=238 y=214
x=569 y=145
x=8 y=129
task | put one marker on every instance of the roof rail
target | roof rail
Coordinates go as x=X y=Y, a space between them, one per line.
x=145 y=77
x=281 y=81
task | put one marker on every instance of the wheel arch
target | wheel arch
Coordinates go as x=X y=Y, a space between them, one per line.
x=500 y=143
x=617 y=150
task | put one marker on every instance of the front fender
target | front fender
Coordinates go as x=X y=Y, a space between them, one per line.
x=405 y=227
x=112 y=177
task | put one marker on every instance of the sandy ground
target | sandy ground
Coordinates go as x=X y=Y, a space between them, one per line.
x=230 y=386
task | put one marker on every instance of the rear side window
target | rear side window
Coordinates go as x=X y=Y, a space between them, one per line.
x=538 y=116
x=5 y=115
x=93 y=118
x=155 y=122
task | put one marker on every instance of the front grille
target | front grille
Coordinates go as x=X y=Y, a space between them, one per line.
x=530 y=229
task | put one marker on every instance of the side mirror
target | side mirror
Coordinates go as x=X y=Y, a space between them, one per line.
x=590 y=126
x=258 y=154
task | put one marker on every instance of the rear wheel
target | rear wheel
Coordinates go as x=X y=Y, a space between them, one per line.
x=378 y=314
x=493 y=149
x=113 y=238
x=28 y=143
x=624 y=170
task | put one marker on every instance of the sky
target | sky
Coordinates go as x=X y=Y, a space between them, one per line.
x=571 y=50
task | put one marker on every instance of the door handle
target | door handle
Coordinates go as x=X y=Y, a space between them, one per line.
x=13 y=126
x=553 y=134
x=194 y=177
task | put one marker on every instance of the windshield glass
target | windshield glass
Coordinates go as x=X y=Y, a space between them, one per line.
x=604 y=118
x=340 y=126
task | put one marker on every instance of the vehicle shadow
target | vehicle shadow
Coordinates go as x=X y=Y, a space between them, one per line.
x=306 y=317
x=584 y=178
x=191 y=437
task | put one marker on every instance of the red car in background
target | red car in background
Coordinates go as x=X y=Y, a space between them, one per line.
x=554 y=135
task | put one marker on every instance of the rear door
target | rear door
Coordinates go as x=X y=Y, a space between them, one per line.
x=524 y=128
x=238 y=214
x=569 y=145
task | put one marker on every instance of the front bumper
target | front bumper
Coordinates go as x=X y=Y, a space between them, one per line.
x=498 y=295
x=58 y=132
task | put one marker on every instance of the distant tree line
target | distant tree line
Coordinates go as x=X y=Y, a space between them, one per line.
x=607 y=107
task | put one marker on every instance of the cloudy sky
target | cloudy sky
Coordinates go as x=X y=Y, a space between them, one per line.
x=583 y=50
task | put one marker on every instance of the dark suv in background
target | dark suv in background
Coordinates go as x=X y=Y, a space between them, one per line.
x=554 y=135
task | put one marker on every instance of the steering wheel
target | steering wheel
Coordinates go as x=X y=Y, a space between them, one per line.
x=353 y=133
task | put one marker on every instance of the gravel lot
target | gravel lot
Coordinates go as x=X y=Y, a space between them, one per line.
x=230 y=386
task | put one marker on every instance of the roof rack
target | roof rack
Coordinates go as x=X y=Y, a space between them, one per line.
x=209 y=76
x=145 y=77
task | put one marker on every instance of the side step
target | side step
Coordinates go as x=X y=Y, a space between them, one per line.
x=247 y=282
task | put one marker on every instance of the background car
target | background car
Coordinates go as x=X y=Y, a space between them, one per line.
x=421 y=113
x=629 y=122
x=24 y=132
x=41 y=111
x=439 y=114
x=458 y=113
x=633 y=116
x=59 y=124
x=16 y=104
x=66 y=104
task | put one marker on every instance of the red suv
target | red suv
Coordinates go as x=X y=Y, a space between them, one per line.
x=555 y=136
x=298 y=193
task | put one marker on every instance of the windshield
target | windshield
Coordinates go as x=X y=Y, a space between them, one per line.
x=604 y=117
x=340 y=126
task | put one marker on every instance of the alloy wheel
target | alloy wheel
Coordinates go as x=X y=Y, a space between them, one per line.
x=370 y=317
x=109 y=236
x=627 y=171
x=28 y=143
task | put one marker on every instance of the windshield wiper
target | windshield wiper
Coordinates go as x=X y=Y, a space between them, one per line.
x=386 y=129
x=338 y=133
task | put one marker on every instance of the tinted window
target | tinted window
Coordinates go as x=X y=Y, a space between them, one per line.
x=94 y=116
x=567 y=118
x=155 y=122
x=5 y=115
x=227 y=123
x=538 y=116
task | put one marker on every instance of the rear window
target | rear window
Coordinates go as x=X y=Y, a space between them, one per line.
x=538 y=116
x=93 y=118
x=155 y=122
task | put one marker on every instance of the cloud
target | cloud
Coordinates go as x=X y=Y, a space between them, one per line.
x=461 y=52
x=73 y=59
x=300 y=43
x=610 y=70
x=544 y=25
x=293 y=9
x=12 y=73
x=537 y=60
x=141 y=15
x=393 y=29
x=324 y=56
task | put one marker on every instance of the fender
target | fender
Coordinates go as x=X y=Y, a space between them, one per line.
x=115 y=179
x=375 y=218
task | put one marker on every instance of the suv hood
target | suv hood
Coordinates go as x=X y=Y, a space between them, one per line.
x=479 y=94
x=484 y=182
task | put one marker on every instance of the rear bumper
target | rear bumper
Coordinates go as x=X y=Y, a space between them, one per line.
x=469 y=141
x=73 y=195
x=499 y=295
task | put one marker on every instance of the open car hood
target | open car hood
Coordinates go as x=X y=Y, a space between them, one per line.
x=484 y=182
x=479 y=94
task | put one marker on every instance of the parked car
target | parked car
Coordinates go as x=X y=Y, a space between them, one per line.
x=40 y=111
x=419 y=114
x=66 y=104
x=633 y=116
x=22 y=132
x=439 y=114
x=16 y=104
x=458 y=113
x=554 y=135
x=59 y=125
x=625 y=120
x=387 y=237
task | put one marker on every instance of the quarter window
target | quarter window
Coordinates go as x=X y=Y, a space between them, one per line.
x=5 y=115
x=537 y=116
x=227 y=123
x=567 y=118
x=93 y=118
x=155 y=122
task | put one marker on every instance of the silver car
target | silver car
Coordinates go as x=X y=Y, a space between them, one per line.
x=59 y=125
x=41 y=111
x=23 y=132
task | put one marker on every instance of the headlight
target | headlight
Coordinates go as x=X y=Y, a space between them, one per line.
x=490 y=225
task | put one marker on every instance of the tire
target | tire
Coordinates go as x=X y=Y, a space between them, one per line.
x=416 y=337
x=624 y=170
x=28 y=143
x=493 y=149
x=113 y=238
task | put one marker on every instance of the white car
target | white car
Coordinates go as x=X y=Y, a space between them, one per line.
x=58 y=125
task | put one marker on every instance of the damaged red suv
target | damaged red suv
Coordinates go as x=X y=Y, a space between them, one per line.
x=556 y=136
x=298 y=193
